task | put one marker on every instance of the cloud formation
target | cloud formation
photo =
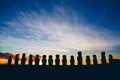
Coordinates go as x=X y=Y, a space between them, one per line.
x=62 y=30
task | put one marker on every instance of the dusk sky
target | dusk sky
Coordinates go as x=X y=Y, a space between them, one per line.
x=59 y=26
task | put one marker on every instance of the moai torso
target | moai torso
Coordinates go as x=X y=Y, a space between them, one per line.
x=64 y=60
x=72 y=61
x=57 y=60
x=44 y=60
x=79 y=58
x=23 y=60
x=10 y=60
x=95 y=59
x=110 y=59
x=50 y=60
x=88 y=60
x=16 y=59
x=30 y=60
x=103 y=58
x=37 y=60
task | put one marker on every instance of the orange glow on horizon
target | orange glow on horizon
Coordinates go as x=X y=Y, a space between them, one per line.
x=5 y=61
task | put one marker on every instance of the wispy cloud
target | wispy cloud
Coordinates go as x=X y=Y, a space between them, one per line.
x=60 y=31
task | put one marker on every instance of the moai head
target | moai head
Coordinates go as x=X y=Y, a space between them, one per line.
x=44 y=56
x=10 y=57
x=37 y=56
x=23 y=55
x=57 y=56
x=30 y=56
x=64 y=56
x=110 y=57
x=16 y=56
x=50 y=56
x=94 y=57
x=102 y=54
x=79 y=53
x=72 y=57
x=88 y=57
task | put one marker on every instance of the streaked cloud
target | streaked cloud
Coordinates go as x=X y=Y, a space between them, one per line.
x=62 y=30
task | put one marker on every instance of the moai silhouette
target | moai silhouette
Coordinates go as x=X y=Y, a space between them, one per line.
x=16 y=59
x=44 y=60
x=23 y=60
x=37 y=60
x=110 y=59
x=57 y=60
x=79 y=58
x=10 y=60
x=103 y=58
x=64 y=60
x=72 y=61
x=88 y=60
x=50 y=60
x=30 y=59
x=95 y=60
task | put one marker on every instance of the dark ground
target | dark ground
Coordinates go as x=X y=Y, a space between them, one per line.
x=93 y=72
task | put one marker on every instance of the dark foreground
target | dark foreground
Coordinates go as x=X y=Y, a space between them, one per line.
x=96 y=72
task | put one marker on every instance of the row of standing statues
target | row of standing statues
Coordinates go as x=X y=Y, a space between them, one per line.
x=57 y=60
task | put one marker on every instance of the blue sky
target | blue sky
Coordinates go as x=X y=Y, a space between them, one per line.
x=59 y=26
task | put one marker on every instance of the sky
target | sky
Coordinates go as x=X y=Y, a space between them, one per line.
x=59 y=26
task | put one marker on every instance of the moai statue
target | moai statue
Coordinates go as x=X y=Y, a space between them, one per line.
x=37 y=60
x=110 y=59
x=44 y=60
x=16 y=59
x=95 y=60
x=64 y=60
x=50 y=60
x=103 y=58
x=30 y=59
x=72 y=61
x=23 y=60
x=9 y=60
x=57 y=60
x=88 y=60
x=79 y=58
